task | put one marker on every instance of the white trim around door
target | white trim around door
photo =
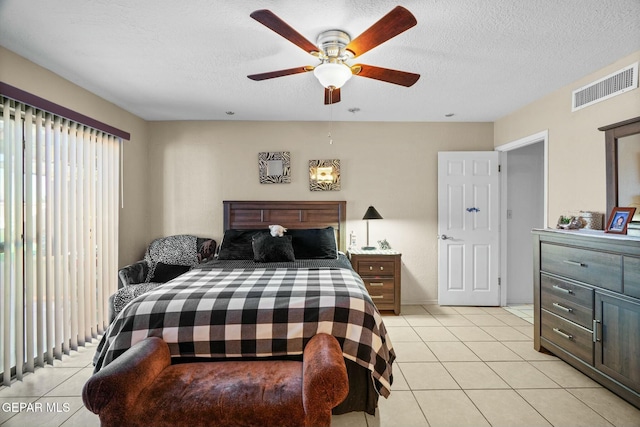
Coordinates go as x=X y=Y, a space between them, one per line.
x=503 y=149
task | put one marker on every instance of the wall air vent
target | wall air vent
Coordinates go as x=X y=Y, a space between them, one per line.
x=614 y=84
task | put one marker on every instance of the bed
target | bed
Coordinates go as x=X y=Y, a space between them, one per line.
x=236 y=308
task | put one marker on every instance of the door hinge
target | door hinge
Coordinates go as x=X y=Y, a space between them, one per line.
x=499 y=168
x=499 y=281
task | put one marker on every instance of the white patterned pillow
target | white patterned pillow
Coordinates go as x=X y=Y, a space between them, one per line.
x=172 y=250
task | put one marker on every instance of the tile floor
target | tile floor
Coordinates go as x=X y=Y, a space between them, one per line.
x=456 y=366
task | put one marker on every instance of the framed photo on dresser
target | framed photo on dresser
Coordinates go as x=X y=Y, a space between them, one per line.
x=619 y=220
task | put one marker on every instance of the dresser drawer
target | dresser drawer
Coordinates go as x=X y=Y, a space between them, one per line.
x=381 y=292
x=376 y=268
x=567 y=335
x=596 y=268
x=568 y=300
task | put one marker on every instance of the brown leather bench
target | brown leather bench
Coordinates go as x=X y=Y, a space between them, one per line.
x=143 y=388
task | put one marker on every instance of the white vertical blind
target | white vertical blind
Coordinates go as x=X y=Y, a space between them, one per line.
x=73 y=258
x=18 y=260
x=7 y=247
x=41 y=226
x=57 y=240
x=30 y=262
x=59 y=189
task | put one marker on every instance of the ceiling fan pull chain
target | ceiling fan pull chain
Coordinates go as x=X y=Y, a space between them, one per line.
x=330 y=114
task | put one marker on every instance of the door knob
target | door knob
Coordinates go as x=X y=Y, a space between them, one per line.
x=445 y=237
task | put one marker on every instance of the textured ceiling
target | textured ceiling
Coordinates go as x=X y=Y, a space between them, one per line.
x=188 y=60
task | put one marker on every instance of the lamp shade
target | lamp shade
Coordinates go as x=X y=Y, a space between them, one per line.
x=372 y=213
x=332 y=75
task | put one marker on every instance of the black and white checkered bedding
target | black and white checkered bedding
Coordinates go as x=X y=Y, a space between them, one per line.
x=218 y=312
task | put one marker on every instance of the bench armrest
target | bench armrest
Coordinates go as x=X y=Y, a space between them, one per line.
x=118 y=384
x=324 y=378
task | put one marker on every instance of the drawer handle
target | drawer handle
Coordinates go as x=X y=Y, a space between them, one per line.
x=371 y=268
x=376 y=284
x=563 y=334
x=576 y=263
x=561 y=289
x=377 y=296
x=595 y=330
x=562 y=307
x=381 y=268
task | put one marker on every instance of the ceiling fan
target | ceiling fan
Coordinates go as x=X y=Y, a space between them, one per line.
x=335 y=47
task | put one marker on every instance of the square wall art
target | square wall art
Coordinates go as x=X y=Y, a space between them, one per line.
x=274 y=167
x=324 y=175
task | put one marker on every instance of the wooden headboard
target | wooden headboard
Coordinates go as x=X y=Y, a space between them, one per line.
x=244 y=215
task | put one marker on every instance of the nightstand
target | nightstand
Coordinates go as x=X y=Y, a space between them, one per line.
x=380 y=271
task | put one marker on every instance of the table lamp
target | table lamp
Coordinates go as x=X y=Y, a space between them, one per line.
x=371 y=213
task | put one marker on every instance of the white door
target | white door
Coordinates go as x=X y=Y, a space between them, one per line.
x=468 y=228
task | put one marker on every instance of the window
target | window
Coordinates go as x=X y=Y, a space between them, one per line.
x=59 y=183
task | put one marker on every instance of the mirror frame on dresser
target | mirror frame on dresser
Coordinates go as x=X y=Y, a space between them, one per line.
x=612 y=133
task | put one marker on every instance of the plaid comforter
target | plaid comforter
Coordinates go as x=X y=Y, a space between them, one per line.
x=256 y=312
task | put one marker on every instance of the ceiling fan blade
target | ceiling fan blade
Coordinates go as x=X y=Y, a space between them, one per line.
x=389 y=26
x=280 y=73
x=402 y=78
x=331 y=96
x=271 y=21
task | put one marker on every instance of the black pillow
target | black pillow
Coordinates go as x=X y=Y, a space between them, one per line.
x=267 y=248
x=165 y=272
x=236 y=244
x=314 y=243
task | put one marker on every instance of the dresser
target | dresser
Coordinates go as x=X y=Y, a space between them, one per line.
x=380 y=271
x=587 y=304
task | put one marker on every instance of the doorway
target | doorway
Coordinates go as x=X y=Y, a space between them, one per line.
x=524 y=207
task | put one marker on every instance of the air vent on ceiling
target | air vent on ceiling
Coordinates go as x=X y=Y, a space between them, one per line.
x=614 y=84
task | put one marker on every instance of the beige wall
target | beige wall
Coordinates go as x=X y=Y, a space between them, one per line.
x=576 y=147
x=177 y=174
x=393 y=166
x=25 y=75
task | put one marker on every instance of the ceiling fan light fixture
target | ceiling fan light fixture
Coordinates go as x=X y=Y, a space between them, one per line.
x=332 y=75
x=334 y=49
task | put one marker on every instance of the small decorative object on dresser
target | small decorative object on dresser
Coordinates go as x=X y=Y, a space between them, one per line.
x=619 y=219
x=591 y=220
x=569 y=223
x=380 y=270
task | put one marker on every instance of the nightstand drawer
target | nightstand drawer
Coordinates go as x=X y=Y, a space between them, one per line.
x=567 y=335
x=381 y=292
x=376 y=268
